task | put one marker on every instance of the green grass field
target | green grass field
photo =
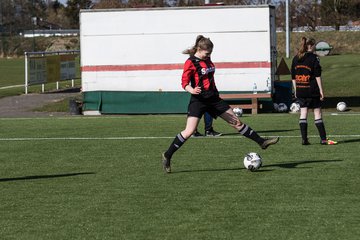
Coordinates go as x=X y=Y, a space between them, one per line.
x=12 y=71
x=101 y=178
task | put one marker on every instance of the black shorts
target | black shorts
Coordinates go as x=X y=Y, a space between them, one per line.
x=309 y=102
x=215 y=106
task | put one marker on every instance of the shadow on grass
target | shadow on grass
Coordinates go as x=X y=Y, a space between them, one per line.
x=207 y=170
x=44 y=176
x=216 y=170
x=281 y=165
x=295 y=164
x=275 y=131
x=265 y=131
x=349 y=141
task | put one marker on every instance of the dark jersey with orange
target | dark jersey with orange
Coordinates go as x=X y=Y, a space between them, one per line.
x=202 y=76
x=304 y=71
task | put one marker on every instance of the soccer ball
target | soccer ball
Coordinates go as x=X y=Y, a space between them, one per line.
x=341 y=106
x=282 y=107
x=252 y=161
x=276 y=107
x=238 y=111
x=294 y=107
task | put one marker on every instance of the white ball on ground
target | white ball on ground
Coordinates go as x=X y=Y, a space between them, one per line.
x=276 y=107
x=294 y=107
x=341 y=106
x=252 y=161
x=283 y=107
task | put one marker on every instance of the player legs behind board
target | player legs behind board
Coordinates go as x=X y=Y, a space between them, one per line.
x=209 y=130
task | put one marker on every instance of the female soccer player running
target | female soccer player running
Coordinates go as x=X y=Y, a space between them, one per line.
x=306 y=79
x=198 y=80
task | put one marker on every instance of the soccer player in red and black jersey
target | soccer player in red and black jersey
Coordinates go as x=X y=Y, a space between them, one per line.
x=306 y=78
x=198 y=80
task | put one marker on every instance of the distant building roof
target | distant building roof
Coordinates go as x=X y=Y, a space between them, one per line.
x=50 y=33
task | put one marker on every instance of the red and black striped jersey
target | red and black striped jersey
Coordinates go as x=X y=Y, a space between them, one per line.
x=304 y=71
x=202 y=76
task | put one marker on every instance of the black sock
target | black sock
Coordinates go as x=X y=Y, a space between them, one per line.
x=179 y=140
x=249 y=133
x=303 y=128
x=321 y=128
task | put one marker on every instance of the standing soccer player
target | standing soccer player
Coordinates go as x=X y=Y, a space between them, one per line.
x=306 y=79
x=198 y=80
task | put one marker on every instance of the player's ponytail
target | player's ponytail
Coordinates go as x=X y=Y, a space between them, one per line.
x=304 y=46
x=310 y=42
x=200 y=42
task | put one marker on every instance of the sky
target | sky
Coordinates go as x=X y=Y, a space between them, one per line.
x=63 y=1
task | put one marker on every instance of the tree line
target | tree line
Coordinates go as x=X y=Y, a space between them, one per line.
x=19 y=15
x=313 y=13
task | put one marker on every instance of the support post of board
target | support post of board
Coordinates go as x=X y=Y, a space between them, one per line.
x=26 y=73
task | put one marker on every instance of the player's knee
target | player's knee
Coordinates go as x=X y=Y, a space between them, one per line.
x=187 y=133
x=236 y=123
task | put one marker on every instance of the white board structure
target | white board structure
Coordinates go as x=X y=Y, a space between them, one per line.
x=132 y=61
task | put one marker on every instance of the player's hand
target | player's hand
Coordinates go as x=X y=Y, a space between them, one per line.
x=322 y=96
x=196 y=90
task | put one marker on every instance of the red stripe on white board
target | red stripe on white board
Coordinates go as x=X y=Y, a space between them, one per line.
x=149 y=67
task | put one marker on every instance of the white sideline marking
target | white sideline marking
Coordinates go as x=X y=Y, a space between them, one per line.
x=345 y=114
x=150 y=138
x=13 y=86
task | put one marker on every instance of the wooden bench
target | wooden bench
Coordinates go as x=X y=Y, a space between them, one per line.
x=254 y=106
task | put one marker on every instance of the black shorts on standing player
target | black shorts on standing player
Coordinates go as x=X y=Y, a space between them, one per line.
x=309 y=102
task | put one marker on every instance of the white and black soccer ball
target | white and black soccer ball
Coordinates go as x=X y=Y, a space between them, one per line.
x=294 y=107
x=341 y=106
x=252 y=161
x=238 y=111
x=282 y=107
x=276 y=107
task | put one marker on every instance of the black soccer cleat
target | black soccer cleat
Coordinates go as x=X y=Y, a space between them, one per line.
x=305 y=142
x=197 y=134
x=269 y=142
x=212 y=133
x=166 y=163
